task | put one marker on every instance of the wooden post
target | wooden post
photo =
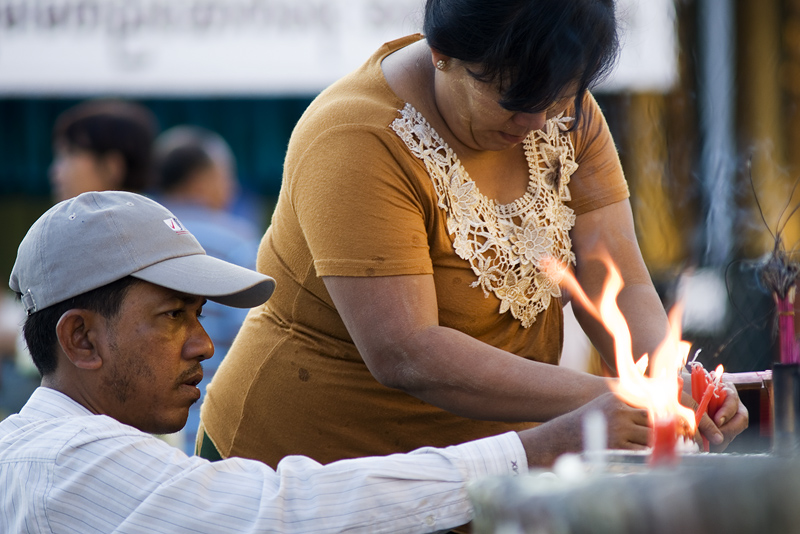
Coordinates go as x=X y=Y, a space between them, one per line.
x=761 y=128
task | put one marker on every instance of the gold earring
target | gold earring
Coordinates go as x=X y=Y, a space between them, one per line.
x=441 y=64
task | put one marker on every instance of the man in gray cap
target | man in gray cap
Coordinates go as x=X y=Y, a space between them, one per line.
x=114 y=287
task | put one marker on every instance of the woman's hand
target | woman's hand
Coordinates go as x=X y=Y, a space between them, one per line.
x=730 y=420
x=628 y=428
x=732 y=417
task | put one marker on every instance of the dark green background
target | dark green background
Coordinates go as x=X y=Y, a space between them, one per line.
x=257 y=129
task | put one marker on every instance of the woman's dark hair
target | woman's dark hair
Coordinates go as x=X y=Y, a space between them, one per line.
x=182 y=151
x=533 y=49
x=104 y=126
x=181 y=163
x=40 y=328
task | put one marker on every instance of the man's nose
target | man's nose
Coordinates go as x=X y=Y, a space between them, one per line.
x=199 y=344
x=530 y=121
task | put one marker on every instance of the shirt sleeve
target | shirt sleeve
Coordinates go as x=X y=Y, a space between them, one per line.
x=599 y=180
x=361 y=210
x=131 y=485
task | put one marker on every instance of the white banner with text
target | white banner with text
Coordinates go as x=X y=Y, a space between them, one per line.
x=245 y=47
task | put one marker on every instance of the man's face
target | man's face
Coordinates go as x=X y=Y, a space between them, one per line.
x=151 y=358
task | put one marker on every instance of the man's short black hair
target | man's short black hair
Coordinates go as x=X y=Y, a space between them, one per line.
x=40 y=327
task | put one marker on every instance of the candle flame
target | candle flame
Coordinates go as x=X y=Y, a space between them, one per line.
x=642 y=364
x=718 y=374
x=658 y=392
x=686 y=348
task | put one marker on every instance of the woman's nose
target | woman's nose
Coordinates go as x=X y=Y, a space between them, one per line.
x=530 y=121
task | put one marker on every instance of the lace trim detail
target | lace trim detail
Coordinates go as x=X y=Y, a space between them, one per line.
x=509 y=246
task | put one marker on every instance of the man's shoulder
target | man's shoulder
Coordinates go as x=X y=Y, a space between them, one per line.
x=47 y=438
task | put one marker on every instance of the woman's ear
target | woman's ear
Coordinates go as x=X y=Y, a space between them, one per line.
x=439 y=60
x=77 y=337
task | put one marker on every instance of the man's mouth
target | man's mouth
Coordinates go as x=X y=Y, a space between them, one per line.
x=191 y=377
x=194 y=381
x=190 y=384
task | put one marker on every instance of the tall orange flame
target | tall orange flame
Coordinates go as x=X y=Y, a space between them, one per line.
x=659 y=392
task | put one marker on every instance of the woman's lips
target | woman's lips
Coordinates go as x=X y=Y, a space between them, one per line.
x=515 y=139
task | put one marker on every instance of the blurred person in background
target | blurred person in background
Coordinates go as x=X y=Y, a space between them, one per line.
x=102 y=145
x=98 y=145
x=195 y=177
x=423 y=196
x=17 y=379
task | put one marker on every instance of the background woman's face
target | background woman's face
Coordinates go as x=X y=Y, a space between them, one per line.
x=75 y=171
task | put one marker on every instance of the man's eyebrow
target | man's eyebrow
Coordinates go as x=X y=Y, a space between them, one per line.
x=191 y=299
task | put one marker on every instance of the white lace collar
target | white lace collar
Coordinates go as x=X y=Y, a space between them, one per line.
x=507 y=245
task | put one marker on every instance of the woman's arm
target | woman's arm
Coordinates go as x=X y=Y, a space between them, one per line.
x=393 y=321
x=609 y=232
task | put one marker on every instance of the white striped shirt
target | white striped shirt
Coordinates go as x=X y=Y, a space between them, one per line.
x=65 y=470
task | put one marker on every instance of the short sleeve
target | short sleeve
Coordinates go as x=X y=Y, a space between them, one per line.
x=359 y=205
x=599 y=180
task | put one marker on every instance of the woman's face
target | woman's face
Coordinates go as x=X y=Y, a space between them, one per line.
x=472 y=110
x=75 y=171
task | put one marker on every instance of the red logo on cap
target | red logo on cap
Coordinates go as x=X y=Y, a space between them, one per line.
x=176 y=226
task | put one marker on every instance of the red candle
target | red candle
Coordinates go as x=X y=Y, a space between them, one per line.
x=699 y=385
x=699 y=381
x=665 y=438
x=720 y=394
x=701 y=409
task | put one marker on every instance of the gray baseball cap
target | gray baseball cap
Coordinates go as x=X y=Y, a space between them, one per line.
x=97 y=238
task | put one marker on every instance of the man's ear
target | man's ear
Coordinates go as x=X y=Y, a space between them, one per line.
x=77 y=336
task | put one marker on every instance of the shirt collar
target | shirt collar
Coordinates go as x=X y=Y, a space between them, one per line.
x=46 y=403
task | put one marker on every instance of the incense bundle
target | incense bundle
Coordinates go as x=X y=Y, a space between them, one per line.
x=779 y=276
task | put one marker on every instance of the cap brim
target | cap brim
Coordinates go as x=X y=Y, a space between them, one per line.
x=215 y=279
